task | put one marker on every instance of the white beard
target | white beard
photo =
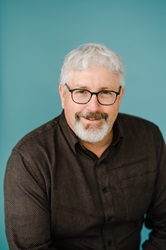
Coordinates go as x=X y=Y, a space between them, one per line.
x=91 y=133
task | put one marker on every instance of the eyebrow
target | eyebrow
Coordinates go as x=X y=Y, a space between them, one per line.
x=87 y=88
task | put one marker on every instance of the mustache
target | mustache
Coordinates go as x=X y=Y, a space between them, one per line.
x=91 y=115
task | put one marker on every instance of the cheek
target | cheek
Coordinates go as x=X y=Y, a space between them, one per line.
x=70 y=109
x=113 y=112
x=70 y=117
x=67 y=103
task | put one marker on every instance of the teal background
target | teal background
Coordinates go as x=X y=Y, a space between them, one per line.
x=35 y=35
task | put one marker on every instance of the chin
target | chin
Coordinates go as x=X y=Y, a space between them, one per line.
x=91 y=133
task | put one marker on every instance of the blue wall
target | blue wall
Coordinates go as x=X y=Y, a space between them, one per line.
x=35 y=35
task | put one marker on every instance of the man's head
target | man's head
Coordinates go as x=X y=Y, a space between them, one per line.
x=92 y=55
x=91 y=89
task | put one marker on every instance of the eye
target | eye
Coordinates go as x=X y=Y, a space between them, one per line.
x=81 y=92
x=105 y=92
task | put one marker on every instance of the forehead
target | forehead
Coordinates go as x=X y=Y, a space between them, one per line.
x=98 y=76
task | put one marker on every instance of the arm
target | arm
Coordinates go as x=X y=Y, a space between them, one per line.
x=156 y=216
x=27 y=207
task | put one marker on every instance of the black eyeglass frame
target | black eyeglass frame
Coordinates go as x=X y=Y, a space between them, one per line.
x=94 y=93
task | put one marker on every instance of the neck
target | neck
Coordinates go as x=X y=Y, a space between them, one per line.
x=98 y=148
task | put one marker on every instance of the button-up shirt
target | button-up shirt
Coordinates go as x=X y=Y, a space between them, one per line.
x=59 y=195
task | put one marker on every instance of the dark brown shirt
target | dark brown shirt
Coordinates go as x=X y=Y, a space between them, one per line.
x=58 y=195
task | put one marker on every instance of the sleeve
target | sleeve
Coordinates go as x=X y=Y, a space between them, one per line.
x=27 y=208
x=156 y=216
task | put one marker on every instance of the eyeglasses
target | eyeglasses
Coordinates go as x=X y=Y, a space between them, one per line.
x=104 y=97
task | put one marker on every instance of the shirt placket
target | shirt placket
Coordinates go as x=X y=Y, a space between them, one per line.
x=108 y=208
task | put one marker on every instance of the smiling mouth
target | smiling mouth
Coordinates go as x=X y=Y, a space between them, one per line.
x=92 y=119
x=92 y=116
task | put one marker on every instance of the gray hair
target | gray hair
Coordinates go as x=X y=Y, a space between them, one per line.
x=92 y=54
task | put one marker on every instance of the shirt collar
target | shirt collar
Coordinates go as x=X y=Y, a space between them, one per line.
x=117 y=132
x=68 y=132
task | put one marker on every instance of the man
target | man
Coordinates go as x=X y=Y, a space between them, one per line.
x=90 y=178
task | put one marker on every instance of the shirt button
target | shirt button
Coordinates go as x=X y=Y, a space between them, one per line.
x=105 y=189
x=109 y=243
x=110 y=219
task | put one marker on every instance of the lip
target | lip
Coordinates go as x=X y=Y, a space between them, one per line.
x=91 y=120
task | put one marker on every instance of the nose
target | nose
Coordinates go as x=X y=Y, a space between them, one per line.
x=93 y=104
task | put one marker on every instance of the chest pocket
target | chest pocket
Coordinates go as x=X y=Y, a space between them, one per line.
x=138 y=192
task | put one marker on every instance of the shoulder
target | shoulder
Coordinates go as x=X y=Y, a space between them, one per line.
x=138 y=127
x=44 y=134
x=141 y=135
x=34 y=153
x=132 y=121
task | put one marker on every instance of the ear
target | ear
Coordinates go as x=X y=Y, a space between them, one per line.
x=122 y=93
x=61 y=93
